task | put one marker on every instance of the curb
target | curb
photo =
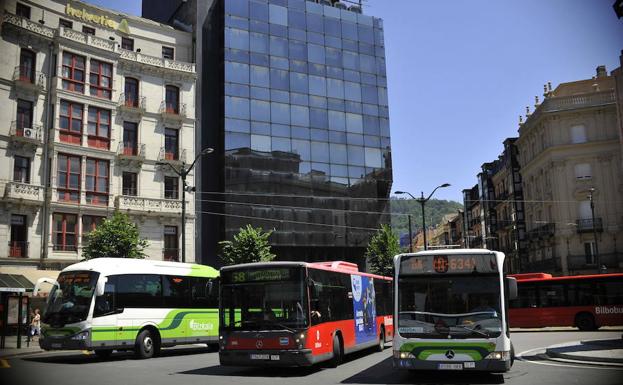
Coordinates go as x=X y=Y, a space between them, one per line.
x=572 y=357
x=19 y=354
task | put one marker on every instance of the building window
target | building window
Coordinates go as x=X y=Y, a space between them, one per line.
x=127 y=43
x=65 y=23
x=171 y=144
x=88 y=30
x=130 y=138
x=21 y=169
x=65 y=226
x=70 y=122
x=98 y=128
x=89 y=223
x=22 y=10
x=18 y=243
x=171 y=247
x=583 y=171
x=96 y=187
x=584 y=210
x=589 y=252
x=27 y=65
x=73 y=72
x=68 y=178
x=131 y=92
x=172 y=100
x=130 y=184
x=24 y=117
x=171 y=187
x=578 y=134
x=101 y=79
x=168 y=53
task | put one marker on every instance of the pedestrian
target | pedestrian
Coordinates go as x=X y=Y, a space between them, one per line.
x=35 y=324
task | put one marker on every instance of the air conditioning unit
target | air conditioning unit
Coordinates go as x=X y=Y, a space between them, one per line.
x=340 y=5
x=28 y=133
x=355 y=8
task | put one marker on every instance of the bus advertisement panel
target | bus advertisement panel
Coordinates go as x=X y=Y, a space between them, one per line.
x=299 y=314
x=451 y=310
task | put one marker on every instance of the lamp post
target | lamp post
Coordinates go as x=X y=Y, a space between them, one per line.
x=422 y=201
x=590 y=198
x=410 y=235
x=183 y=173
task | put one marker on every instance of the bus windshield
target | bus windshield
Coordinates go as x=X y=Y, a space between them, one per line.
x=69 y=302
x=264 y=306
x=449 y=306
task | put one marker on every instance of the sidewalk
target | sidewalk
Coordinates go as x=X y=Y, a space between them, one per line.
x=10 y=347
x=608 y=351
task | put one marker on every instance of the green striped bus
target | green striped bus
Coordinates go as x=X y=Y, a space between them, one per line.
x=108 y=304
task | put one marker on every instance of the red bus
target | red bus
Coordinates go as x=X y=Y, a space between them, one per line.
x=584 y=301
x=300 y=314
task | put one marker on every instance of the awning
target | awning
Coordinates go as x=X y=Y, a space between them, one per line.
x=15 y=283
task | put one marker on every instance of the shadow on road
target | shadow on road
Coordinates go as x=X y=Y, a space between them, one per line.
x=384 y=373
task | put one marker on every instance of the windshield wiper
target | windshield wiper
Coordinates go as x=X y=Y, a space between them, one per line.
x=473 y=330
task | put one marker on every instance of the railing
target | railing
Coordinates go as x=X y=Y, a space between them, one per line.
x=168 y=111
x=543 y=231
x=133 y=152
x=151 y=205
x=130 y=103
x=590 y=261
x=156 y=61
x=65 y=248
x=88 y=39
x=171 y=254
x=571 y=102
x=22 y=22
x=24 y=75
x=173 y=157
x=586 y=225
x=24 y=191
x=31 y=134
x=18 y=249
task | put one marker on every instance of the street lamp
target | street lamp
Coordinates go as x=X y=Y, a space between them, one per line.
x=590 y=198
x=422 y=201
x=183 y=173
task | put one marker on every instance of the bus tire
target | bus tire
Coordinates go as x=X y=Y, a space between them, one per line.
x=585 y=322
x=336 y=360
x=381 y=346
x=512 y=354
x=146 y=344
x=103 y=353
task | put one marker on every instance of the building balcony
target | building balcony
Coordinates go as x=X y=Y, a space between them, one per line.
x=28 y=25
x=173 y=157
x=542 y=232
x=586 y=225
x=27 y=80
x=588 y=262
x=169 y=254
x=21 y=135
x=172 y=113
x=130 y=155
x=18 y=249
x=24 y=193
x=130 y=106
x=154 y=61
x=149 y=206
x=572 y=102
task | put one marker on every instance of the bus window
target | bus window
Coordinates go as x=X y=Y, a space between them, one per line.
x=551 y=295
x=613 y=292
x=580 y=293
x=527 y=296
x=105 y=304
x=204 y=292
x=139 y=290
x=175 y=291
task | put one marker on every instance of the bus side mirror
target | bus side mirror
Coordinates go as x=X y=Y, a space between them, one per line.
x=101 y=287
x=512 y=288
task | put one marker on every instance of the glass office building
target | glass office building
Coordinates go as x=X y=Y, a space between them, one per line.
x=294 y=101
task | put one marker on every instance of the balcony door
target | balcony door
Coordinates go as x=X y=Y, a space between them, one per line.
x=27 y=66
x=24 y=116
x=171 y=244
x=130 y=138
x=172 y=100
x=131 y=92
x=19 y=237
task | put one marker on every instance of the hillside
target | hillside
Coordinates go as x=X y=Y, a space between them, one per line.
x=435 y=209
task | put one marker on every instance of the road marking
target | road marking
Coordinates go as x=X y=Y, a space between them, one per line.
x=587 y=366
x=4 y=364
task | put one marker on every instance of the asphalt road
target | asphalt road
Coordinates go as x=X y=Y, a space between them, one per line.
x=198 y=366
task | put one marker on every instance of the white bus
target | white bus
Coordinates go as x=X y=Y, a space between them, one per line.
x=108 y=304
x=451 y=308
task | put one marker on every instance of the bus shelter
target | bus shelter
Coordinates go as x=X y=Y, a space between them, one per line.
x=14 y=307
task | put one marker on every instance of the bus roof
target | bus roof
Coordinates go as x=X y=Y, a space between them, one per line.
x=337 y=266
x=111 y=266
x=538 y=277
x=450 y=252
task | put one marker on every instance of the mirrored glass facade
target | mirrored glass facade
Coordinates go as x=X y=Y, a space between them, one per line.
x=302 y=127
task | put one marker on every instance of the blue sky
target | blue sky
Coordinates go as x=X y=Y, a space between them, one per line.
x=461 y=72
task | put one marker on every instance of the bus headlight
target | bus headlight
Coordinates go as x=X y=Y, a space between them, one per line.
x=403 y=355
x=504 y=356
x=300 y=340
x=82 y=336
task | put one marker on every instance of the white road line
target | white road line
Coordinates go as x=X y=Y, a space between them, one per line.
x=588 y=366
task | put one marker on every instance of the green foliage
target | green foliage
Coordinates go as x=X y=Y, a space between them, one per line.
x=115 y=237
x=249 y=245
x=435 y=210
x=381 y=250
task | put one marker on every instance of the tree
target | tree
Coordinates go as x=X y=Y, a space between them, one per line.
x=249 y=245
x=115 y=237
x=381 y=250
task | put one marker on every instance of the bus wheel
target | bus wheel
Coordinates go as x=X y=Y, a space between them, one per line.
x=145 y=345
x=512 y=354
x=103 y=353
x=337 y=352
x=585 y=322
x=381 y=344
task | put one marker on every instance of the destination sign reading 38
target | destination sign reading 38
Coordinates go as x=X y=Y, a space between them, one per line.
x=449 y=264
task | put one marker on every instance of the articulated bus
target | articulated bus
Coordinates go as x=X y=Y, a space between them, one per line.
x=299 y=314
x=451 y=308
x=584 y=301
x=108 y=304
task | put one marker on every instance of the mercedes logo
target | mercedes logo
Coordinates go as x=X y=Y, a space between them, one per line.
x=450 y=354
x=259 y=344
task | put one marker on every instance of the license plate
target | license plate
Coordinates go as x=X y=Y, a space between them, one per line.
x=450 y=366
x=260 y=356
x=471 y=365
x=274 y=357
x=57 y=346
